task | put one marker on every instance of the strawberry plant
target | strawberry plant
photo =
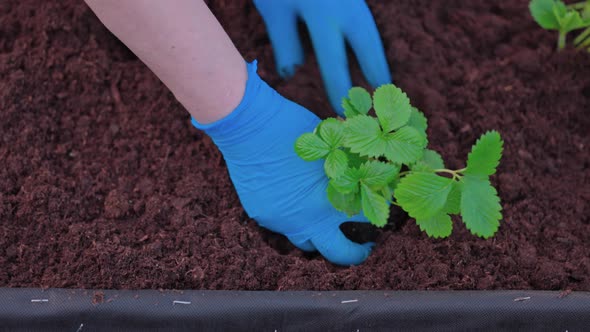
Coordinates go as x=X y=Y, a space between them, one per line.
x=375 y=161
x=556 y=15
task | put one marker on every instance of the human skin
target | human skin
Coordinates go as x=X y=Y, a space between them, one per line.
x=185 y=46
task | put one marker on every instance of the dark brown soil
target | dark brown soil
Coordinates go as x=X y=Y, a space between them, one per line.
x=105 y=184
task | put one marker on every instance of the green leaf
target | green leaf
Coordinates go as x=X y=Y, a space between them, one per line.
x=392 y=107
x=374 y=205
x=348 y=203
x=404 y=146
x=310 y=147
x=438 y=226
x=430 y=161
x=433 y=159
x=336 y=163
x=354 y=159
x=348 y=182
x=363 y=136
x=480 y=206
x=542 y=12
x=485 y=154
x=418 y=121
x=349 y=110
x=377 y=174
x=332 y=132
x=555 y=15
x=360 y=99
x=387 y=193
x=453 y=204
x=423 y=195
x=568 y=19
x=393 y=185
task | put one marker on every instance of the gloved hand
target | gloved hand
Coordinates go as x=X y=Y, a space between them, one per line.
x=330 y=23
x=278 y=189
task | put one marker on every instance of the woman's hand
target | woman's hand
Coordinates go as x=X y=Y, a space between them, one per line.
x=281 y=191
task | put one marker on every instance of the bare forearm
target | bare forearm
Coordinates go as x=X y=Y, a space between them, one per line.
x=185 y=46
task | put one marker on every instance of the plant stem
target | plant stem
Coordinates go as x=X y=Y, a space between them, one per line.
x=585 y=44
x=456 y=175
x=561 y=40
x=444 y=170
x=580 y=38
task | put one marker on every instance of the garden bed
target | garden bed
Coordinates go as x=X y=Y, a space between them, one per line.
x=105 y=184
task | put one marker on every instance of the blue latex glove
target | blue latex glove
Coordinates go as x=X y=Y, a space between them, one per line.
x=330 y=24
x=279 y=190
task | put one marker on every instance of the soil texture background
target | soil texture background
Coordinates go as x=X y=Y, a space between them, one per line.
x=105 y=184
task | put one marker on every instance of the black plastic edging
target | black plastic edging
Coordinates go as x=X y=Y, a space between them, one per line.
x=24 y=309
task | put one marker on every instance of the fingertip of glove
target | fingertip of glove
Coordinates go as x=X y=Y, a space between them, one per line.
x=368 y=249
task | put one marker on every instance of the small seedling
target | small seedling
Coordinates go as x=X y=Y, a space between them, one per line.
x=373 y=162
x=556 y=15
